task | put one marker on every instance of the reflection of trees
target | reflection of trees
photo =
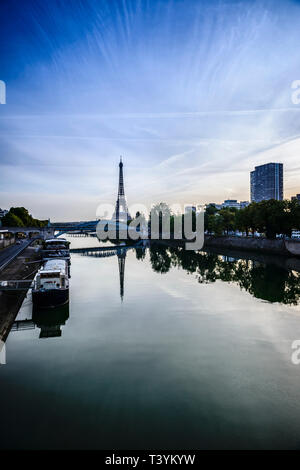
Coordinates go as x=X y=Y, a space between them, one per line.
x=264 y=281
x=269 y=283
x=140 y=253
x=160 y=259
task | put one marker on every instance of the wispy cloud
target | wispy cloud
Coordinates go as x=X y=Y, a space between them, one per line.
x=192 y=94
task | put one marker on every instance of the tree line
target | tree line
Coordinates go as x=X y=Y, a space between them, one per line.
x=269 y=218
x=20 y=217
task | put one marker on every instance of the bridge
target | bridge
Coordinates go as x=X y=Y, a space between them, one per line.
x=30 y=232
x=87 y=226
x=55 y=229
x=58 y=227
x=103 y=251
x=69 y=227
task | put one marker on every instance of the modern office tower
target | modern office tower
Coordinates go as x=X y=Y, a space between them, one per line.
x=266 y=182
x=296 y=198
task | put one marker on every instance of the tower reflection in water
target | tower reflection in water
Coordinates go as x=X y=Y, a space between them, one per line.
x=120 y=252
x=50 y=320
x=121 y=262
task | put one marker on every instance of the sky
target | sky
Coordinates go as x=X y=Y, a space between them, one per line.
x=192 y=93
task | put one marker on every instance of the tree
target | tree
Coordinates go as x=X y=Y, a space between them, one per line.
x=20 y=217
x=210 y=211
x=293 y=215
x=12 y=220
x=228 y=220
x=244 y=220
x=270 y=217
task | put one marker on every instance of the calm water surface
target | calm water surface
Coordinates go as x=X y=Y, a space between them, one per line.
x=158 y=349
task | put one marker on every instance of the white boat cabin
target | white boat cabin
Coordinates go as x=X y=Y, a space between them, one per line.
x=53 y=275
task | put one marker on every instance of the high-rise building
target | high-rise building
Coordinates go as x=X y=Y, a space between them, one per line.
x=266 y=182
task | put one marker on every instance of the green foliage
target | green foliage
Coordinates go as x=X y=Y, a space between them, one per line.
x=227 y=218
x=20 y=217
x=270 y=218
x=12 y=220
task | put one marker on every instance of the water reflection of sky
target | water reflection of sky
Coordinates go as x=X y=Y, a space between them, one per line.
x=178 y=364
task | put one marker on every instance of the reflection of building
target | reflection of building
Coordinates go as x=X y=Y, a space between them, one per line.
x=121 y=213
x=120 y=251
x=121 y=261
x=50 y=320
x=266 y=182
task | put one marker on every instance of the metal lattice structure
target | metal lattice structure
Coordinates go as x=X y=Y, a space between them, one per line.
x=121 y=213
x=121 y=262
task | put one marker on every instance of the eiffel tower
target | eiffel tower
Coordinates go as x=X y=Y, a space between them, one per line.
x=121 y=213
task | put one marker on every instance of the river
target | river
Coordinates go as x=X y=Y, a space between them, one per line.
x=158 y=349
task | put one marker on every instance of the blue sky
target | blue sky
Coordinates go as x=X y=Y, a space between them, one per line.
x=193 y=94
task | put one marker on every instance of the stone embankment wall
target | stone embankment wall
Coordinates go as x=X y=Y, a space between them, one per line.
x=24 y=266
x=262 y=245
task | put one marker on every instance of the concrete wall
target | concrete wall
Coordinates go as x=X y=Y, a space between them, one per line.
x=6 y=242
x=45 y=232
x=263 y=245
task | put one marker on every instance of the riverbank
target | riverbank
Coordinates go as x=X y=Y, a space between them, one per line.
x=258 y=245
x=287 y=248
x=11 y=301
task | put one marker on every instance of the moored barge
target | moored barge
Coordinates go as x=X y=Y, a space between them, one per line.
x=51 y=284
x=56 y=248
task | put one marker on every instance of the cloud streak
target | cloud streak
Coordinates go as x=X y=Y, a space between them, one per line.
x=192 y=94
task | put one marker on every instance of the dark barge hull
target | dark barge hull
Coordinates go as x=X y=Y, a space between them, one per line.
x=50 y=298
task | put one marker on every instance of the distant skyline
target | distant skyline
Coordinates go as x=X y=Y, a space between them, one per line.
x=193 y=94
